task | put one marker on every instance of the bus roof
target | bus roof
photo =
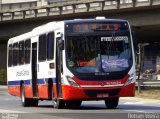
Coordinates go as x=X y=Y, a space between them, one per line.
x=20 y=37
x=36 y=31
x=48 y=27
x=95 y=20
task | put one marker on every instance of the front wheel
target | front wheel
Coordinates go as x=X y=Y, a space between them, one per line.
x=58 y=103
x=34 y=102
x=73 y=103
x=77 y=103
x=112 y=103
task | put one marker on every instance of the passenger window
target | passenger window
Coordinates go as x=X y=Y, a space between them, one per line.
x=21 y=53
x=27 y=51
x=42 y=54
x=10 y=56
x=50 y=46
x=15 y=54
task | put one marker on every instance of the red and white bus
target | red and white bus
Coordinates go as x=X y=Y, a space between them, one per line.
x=71 y=61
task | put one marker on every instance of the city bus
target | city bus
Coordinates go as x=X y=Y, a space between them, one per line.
x=73 y=61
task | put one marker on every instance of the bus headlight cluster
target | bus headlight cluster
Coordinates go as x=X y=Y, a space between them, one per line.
x=72 y=82
x=131 y=79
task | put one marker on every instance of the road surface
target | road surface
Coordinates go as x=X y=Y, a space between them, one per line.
x=130 y=107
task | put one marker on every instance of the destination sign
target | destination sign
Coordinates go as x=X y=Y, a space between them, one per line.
x=91 y=27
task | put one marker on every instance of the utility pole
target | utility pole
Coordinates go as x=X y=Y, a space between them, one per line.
x=139 y=68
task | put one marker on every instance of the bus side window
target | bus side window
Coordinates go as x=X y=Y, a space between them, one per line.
x=50 y=46
x=42 y=48
x=27 y=51
x=10 y=56
x=21 y=53
x=15 y=54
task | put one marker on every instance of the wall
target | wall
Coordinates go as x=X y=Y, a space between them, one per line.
x=3 y=62
x=3 y=56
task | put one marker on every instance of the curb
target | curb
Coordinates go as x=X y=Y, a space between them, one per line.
x=142 y=99
x=3 y=86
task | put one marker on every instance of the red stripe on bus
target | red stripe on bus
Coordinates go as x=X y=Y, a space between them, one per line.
x=28 y=91
x=14 y=90
x=72 y=93
x=128 y=91
x=43 y=91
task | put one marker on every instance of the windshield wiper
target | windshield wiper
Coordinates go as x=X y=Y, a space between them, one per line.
x=111 y=42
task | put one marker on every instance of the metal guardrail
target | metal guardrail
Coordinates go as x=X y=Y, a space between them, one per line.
x=148 y=83
x=71 y=7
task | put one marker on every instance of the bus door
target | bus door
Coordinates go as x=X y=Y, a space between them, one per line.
x=46 y=65
x=59 y=65
x=34 y=69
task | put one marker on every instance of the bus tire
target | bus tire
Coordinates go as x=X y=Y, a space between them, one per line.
x=77 y=103
x=25 y=101
x=58 y=103
x=34 y=102
x=73 y=104
x=69 y=104
x=112 y=103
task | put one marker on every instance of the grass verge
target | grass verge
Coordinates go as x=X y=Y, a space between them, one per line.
x=149 y=94
x=3 y=76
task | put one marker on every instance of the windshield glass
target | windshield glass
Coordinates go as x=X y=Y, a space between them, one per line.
x=98 y=54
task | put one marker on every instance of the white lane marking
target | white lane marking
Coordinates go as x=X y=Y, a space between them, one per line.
x=137 y=111
x=8 y=99
x=10 y=111
x=142 y=103
x=134 y=103
x=140 y=99
x=142 y=111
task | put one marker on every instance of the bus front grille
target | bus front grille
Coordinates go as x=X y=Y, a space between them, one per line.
x=110 y=92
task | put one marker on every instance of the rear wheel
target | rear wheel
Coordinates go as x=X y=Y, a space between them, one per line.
x=25 y=101
x=112 y=103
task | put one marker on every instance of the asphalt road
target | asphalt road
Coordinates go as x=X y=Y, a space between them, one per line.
x=10 y=108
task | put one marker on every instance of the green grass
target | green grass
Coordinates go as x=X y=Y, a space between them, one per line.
x=149 y=94
x=3 y=76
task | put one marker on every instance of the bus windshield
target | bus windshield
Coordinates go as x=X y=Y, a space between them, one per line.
x=98 y=53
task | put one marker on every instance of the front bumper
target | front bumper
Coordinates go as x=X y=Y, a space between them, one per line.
x=75 y=93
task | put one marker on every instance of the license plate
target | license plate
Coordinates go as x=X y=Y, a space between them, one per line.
x=102 y=95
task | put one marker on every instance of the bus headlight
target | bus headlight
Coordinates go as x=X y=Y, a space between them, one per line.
x=72 y=82
x=131 y=79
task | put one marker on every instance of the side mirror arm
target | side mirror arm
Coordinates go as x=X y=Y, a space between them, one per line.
x=60 y=43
